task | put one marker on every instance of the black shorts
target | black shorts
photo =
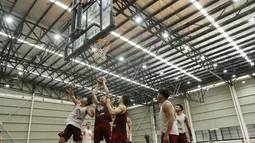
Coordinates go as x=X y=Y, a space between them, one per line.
x=69 y=131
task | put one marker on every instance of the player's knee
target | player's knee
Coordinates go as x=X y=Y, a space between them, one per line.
x=61 y=140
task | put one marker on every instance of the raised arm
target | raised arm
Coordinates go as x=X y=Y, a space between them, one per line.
x=116 y=111
x=106 y=90
x=71 y=93
x=94 y=97
x=90 y=112
x=168 y=109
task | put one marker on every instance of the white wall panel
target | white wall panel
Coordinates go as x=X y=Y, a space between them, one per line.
x=217 y=110
x=141 y=123
x=246 y=96
x=48 y=118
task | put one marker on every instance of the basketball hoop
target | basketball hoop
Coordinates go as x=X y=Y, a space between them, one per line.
x=100 y=48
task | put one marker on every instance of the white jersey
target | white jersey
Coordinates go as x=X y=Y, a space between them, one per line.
x=87 y=137
x=181 y=123
x=130 y=139
x=163 y=121
x=77 y=117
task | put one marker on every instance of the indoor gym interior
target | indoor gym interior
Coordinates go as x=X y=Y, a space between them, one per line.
x=202 y=51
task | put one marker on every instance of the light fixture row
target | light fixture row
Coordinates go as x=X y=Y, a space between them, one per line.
x=222 y=31
x=139 y=19
x=80 y=62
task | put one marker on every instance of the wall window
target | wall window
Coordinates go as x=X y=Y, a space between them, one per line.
x=199 y=136
x=251 y=130
x=228 y=133
x=213 y=135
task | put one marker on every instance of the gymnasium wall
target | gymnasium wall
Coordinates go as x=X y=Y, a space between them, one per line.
x=217 y=110
x=142 y=125
x=246 y=97
x=48 y=117
x=216 y=117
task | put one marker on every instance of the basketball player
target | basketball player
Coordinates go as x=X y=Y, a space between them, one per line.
x=0 y=138
x=119 y=130
x=102 y=128
x=129 y=130
x=183 y=124
x=167 y=119
x=147 y=138
x=87 y=134
x=75 y=119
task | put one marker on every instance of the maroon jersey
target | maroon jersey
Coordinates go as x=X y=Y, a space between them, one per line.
x=119 y=131
x=103 y=115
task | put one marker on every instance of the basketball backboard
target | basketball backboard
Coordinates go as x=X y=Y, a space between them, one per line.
x=90 y=21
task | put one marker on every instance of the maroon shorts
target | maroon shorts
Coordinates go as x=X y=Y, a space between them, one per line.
x=183 y=138
x=103 y=132
x=119 y=141
x=69 y=131
x=172 y=138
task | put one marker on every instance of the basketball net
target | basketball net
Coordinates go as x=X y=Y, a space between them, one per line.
x=100 y=49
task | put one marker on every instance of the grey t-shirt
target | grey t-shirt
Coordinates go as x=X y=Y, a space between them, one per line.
x=77 y=117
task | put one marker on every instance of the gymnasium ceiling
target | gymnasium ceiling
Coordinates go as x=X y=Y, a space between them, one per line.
x=202 y=42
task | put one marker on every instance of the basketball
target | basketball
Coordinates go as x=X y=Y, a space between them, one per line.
x=100 y=80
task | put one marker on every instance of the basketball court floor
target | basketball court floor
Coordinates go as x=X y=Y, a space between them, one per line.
x=202 y=51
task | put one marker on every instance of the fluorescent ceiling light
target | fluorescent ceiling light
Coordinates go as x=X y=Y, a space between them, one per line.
x=220 y=29
x=251 y=19
x=202 y=58
x=61 y=5
x=165 y=35
x=148 y=52
x=121 y=59
x=57 y=36
x=8 y=19
x=221 y=83
x=154 y=55
x=20 y=73
x=138 y=19
x=80 y=62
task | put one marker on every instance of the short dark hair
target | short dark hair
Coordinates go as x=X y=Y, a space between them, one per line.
x=88 y=122
x=89 y=100
x=164 y=92
x=126 y=100
x=180 y=106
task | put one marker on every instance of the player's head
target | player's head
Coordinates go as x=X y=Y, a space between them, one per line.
x=123 y=99
x=178 y=108
x=103 y=98
x=88 y=125
x=86 y=101
x=163 y=95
